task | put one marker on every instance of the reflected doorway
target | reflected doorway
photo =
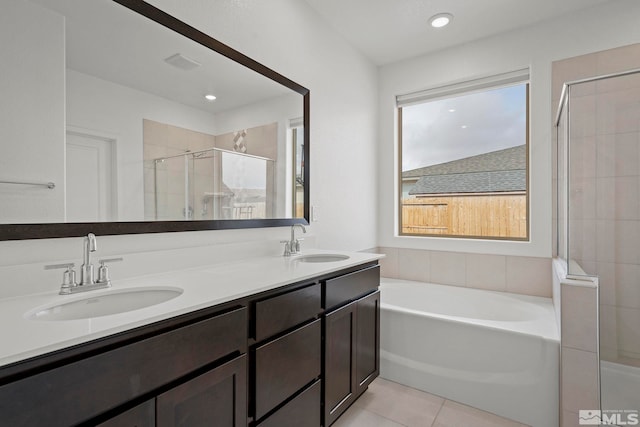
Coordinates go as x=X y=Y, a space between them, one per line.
x=89 y=178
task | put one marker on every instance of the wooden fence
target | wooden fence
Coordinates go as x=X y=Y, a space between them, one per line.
x=503 y=216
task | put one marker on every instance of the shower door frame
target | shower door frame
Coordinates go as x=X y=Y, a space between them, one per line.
x=565 y=104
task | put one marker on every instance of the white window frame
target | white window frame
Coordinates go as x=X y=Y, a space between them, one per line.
x=497 y=81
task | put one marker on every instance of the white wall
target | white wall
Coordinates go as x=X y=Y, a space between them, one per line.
x=32 y=112
x=609 y=25
x=287 y=36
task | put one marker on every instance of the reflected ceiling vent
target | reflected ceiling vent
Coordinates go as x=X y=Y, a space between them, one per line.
x=180 y=61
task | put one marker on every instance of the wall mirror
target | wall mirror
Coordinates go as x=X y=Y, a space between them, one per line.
x=122 y=119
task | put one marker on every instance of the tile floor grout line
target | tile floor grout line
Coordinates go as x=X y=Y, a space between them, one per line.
x=433 y=423
x=386 y=418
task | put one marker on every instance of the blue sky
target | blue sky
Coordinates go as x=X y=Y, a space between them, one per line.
x=454 y=128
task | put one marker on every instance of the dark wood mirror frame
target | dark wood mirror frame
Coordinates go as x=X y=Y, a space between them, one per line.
x=56 y=230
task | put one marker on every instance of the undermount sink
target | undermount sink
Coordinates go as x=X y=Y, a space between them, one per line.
x=322 y=258
x=105 y=304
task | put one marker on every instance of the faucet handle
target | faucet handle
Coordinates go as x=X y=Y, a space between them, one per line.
x=103 y=270
x=287 y=247
x=68 y=278
x=298 y=240
x=67 y=265
x=103 y=261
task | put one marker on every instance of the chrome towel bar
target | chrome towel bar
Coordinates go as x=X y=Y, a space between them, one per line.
x=49 y=185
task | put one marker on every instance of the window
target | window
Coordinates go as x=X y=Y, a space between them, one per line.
x=463 y=159
x=296 y=128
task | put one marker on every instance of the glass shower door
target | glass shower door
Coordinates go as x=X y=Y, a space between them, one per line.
x=600 y=151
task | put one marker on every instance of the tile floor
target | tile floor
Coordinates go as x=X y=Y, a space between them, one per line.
x=388 y=404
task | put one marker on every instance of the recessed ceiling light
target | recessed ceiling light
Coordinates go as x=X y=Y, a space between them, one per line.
x=452 y=110
x=464 y=126
x=210 y=97
x=440 y=20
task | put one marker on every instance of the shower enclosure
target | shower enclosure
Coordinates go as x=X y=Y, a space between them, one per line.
x=598 y=217
x=213 y=184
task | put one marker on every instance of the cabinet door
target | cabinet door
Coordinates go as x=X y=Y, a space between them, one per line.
x=367 y=349
x=216 y=398
x=143 y=415
x=340 y=378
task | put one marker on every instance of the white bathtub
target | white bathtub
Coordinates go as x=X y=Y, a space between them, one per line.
x=619 y=386
x=492 y=350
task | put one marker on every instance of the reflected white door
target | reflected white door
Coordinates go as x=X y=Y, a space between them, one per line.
x=89 y=171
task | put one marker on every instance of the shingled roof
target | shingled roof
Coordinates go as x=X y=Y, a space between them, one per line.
x=513 y=158
x=497 y=171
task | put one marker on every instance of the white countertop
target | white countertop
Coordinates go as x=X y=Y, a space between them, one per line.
x=205 y=286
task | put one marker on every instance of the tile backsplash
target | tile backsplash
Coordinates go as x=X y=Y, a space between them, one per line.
x=517 y=274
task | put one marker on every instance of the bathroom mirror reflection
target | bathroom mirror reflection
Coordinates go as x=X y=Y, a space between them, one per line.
x=113 y=117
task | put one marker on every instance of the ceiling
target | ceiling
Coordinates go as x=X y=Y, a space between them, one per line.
x=392 y=30
x=108 y=41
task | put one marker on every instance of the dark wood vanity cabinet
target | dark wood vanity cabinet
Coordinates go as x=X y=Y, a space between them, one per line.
x=320 y=349
x=367 y=346
x=352 y=337
x=216 y=398
x=296 y=356
x=101 y=381
x=287 y=358
x=143 y=415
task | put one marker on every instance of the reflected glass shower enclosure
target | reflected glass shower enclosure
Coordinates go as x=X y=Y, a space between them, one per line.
x=213 y=184
x=598 y=217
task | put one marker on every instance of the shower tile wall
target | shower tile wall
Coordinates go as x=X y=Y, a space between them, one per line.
x=604 y=221
x=605 y=191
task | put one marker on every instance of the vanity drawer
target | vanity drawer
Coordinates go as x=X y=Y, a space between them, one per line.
x=143 y=415
x=351 y=286
x=282 y=312
x=122 y=374
x=302 y=411
x=286 y=365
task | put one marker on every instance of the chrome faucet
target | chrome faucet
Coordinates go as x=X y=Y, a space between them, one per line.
x=87 y=276
x=292 y=247
x=86 y=273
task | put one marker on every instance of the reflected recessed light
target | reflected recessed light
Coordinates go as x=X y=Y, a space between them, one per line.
x=440 y=20
x=210 y=97
x=452 y=110
x=464 y=126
